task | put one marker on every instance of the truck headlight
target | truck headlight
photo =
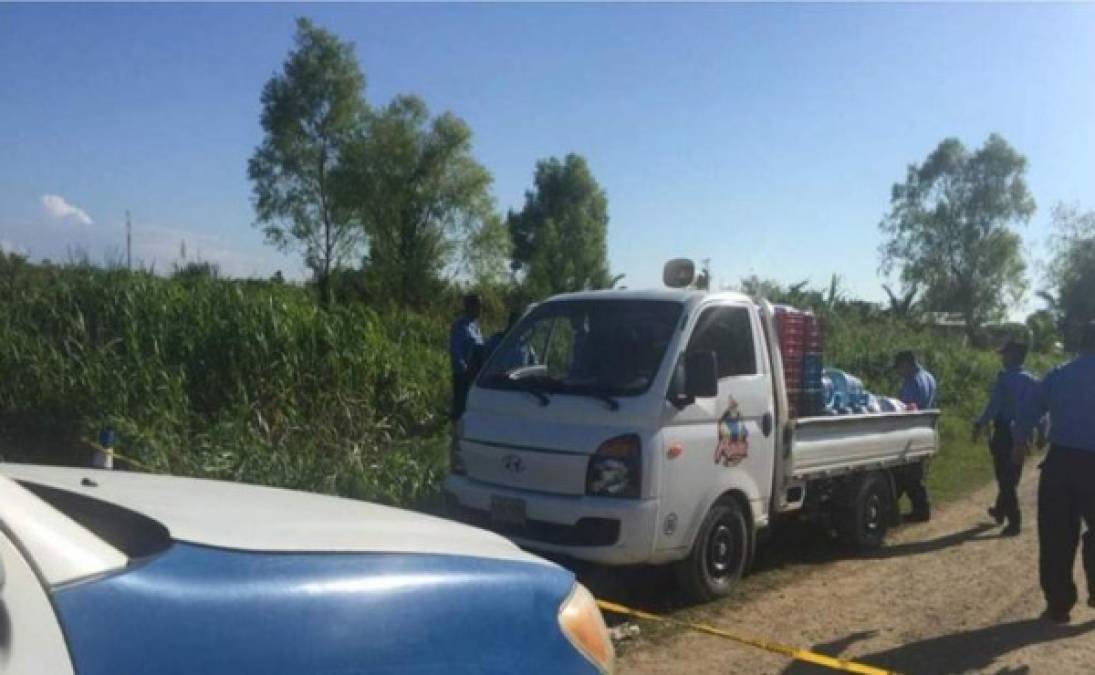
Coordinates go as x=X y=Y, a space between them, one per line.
x=615 y=470
x=581 y=622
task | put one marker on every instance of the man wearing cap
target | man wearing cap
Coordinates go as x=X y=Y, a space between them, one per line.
x=465 y=352
x=917 y=392
x=1066 y=490
x=1014 y=387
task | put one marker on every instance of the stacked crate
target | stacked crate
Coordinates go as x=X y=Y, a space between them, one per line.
x=813 y=393
x=800 y=342
x=791 y=331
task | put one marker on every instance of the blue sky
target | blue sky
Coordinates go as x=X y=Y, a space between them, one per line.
x=765 y=137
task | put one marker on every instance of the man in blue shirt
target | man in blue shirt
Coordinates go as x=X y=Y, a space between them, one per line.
x=918 y=392
x=1066 y=490
x=1013 y=387
x=465 y=353
x=917 y=384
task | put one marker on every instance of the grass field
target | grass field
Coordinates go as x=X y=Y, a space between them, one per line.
x=252 y=381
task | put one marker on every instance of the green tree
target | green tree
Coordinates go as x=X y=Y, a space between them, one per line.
x=559 y=236
x=421 y=199
x=309 y=112
x=1043 y=330
x=1072 y=269
x=487 y=252
x=949 y=229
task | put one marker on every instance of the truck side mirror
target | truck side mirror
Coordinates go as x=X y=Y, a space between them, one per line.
x=701 y=375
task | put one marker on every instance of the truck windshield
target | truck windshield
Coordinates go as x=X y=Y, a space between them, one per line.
x=600 y=347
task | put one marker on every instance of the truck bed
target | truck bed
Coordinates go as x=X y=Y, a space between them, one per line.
x=827 y=446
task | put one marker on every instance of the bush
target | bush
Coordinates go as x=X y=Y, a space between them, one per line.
x=224 y=379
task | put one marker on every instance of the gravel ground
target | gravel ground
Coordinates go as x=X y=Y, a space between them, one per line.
x=948 y=596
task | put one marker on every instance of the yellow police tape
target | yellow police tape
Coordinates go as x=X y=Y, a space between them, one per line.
x=798 y=654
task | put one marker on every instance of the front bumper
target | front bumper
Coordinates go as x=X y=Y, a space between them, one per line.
x=598 y=529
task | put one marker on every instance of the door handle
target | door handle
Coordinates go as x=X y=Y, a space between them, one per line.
x=766 y=424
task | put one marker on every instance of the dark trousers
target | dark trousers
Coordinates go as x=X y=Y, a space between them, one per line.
x=1066 y=495
x=1008 y=472
x=460 y=385
x=909 y=479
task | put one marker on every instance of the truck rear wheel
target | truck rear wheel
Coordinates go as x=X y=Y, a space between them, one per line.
x=866 y=519
x=718 y=556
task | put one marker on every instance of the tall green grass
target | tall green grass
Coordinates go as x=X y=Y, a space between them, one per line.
x=225 y=379
x=252 y=381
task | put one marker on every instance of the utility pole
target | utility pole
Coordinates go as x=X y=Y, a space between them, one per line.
x=128 y=242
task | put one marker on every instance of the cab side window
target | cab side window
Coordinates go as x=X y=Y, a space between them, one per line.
x=728 y=332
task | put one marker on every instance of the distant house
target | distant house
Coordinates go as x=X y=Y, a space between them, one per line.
x=952 y=324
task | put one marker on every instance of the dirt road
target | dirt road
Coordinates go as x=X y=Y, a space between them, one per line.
x=949 y=596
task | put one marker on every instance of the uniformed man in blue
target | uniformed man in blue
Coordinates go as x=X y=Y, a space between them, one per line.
x=1013 y=387
x=917 y=390
x=465 y=352
x=1066 y=490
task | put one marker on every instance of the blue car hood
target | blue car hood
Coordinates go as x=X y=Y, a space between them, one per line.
x=196 y=609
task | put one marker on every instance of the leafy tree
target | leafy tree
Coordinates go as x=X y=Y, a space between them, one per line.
x=487 y=253
x=1072 y=270
x=949 y=229
x=1043 y=330
x=309 y=112
x=559 y=236
x=419 y=195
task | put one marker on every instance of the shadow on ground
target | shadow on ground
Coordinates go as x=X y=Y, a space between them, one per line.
x=932 y=545
x=790 y=545
x=963 y=652
x=793 y=544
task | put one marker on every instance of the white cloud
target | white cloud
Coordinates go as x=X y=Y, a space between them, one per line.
x=58 y=209
x=8 y=247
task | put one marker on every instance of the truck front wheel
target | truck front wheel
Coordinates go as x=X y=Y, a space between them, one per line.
x=865 y=521
x=718 y=555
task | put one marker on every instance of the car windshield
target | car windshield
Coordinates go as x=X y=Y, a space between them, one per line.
x=600 y=347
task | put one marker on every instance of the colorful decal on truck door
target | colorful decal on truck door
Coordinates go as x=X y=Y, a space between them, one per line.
x=733 y=437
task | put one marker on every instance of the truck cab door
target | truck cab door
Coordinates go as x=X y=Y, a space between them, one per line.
x=723 y=442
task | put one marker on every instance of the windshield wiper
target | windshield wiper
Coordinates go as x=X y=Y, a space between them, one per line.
x=613 y=404
x=531 y=386
x=538 y=393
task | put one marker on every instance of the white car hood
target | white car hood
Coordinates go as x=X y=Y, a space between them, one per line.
x=253 y=518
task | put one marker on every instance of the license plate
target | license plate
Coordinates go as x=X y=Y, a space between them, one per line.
x=507 y=511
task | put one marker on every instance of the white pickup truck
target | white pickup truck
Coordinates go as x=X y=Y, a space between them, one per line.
x=626 y=427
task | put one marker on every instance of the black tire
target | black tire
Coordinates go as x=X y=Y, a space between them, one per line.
x=864 y=523
x=718 y=556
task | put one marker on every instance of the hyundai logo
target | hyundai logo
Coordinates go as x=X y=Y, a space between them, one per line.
x=513 y=463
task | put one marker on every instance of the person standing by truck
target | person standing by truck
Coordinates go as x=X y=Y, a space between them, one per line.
x=465 y=352
x=1066 y=489
x=917 y=389
x=1013 y=386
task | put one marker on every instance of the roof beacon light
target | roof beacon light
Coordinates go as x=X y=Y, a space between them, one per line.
x=679 y=273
